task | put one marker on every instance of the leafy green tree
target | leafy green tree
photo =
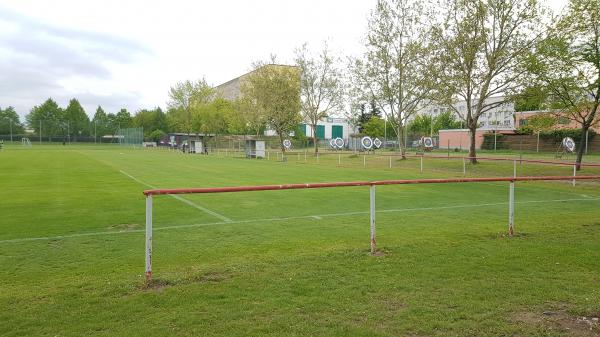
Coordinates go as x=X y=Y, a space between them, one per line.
x=100 y=125
x=184 y=98
x=395 y=69
x=320 y=86
x=445 y=121
x=273 y=91
x=9 y=121
x=481 y=48
x=421 y=125
x=539 y=123
x=531 y=98
x=155 y=136
x=566 y=63
x=48 y=116
x=151 y=120
x=78 y=121
x=375 y=127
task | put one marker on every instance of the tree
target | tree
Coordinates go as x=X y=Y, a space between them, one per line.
x=567 y=64
x=184 y=98
x=10 y=122
x=321 y=89
x=395 y=69
x=46 y=118
x=445 y=121
x=150 y=121
x=481 y=47
x=375 y=127
x=77 y=120
x=273 y=91
x=531 y=98
x=100 y=121
x=421 y=124
x=540 y=122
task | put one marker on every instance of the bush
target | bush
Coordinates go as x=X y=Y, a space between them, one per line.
x=559 y=134
x=155 y=136
x=488 y=142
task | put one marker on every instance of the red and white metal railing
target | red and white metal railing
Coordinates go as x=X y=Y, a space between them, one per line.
x=511 y=199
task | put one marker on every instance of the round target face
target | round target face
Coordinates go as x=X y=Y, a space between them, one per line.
x=428 y=142
x=366 y=142
x=377 y=143
x=287 y=143
x=332 y=143
x=339 y=142
x=569 y=144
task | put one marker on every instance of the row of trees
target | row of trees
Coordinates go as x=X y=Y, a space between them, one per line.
x=474 y=50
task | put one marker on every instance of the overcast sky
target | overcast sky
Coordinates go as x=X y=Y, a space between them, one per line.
x=128 y=53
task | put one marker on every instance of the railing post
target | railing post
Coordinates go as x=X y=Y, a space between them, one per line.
x=339 y=159
x=464 y=167
x=365 y=161
x=514 y=168
x=305 y=155
x=574 y=173
x=421 y=164
x=372 y=218
x=390 y=161
x=511 y=208
x=148 y=238
x=317 y=157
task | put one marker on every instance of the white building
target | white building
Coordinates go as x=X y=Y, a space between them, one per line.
x=501 y=117
x=328 y=128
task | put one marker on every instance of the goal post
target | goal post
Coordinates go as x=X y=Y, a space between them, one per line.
x=149 y=194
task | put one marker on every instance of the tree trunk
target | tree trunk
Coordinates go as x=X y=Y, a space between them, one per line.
x=472 y=151
x=401 y=144
x=281 y=144
x=315 y=139
x=581 y=149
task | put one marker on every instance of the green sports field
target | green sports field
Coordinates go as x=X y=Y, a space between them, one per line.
x=290 y=263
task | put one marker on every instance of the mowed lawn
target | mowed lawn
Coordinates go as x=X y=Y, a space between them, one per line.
x=290 y=263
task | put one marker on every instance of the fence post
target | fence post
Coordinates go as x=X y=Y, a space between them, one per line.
x=148 y=238
x=514 y=168
x=421 y=164
x=372 y=218
x=364 y=161
x=390 y=161
x=317 y=157
x=511 y=208
x=464 y=167
x=574 y=173
x=297 y=156
x=339 y=159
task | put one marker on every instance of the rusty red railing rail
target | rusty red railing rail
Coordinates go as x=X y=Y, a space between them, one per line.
x=168 y=191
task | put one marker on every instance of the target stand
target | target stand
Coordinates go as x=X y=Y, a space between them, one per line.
x=566 y=147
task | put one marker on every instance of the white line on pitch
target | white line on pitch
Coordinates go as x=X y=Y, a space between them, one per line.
x=284 y=219
x=185 y=201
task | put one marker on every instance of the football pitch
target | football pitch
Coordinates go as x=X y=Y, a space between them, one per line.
x=295 y=262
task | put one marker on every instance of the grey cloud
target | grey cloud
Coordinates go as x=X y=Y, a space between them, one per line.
x=37 y=56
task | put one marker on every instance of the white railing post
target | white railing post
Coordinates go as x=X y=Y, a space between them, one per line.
x=464 y=167
x=390 y=161
x=574 y=173
x=148 y=238
x=364 y=161
x=339 y=159
x=372 y=212
x=511 y=208
x=305 y=156
x=317 y=157
x=514 y=168
x=421 y=164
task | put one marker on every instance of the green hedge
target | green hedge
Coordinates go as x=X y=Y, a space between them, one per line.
x=488 y=142
x=558 y=134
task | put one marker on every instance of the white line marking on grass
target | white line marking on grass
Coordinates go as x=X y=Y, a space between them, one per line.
x=282 y=219
x=185 y=201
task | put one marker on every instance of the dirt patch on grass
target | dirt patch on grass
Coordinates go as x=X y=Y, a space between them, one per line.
x=561 y=320
x=125 y=226
x=157 y=285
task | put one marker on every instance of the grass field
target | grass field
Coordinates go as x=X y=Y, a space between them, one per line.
x=290 y=263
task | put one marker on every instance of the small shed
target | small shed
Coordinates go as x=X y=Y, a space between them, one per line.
x=255 y=148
